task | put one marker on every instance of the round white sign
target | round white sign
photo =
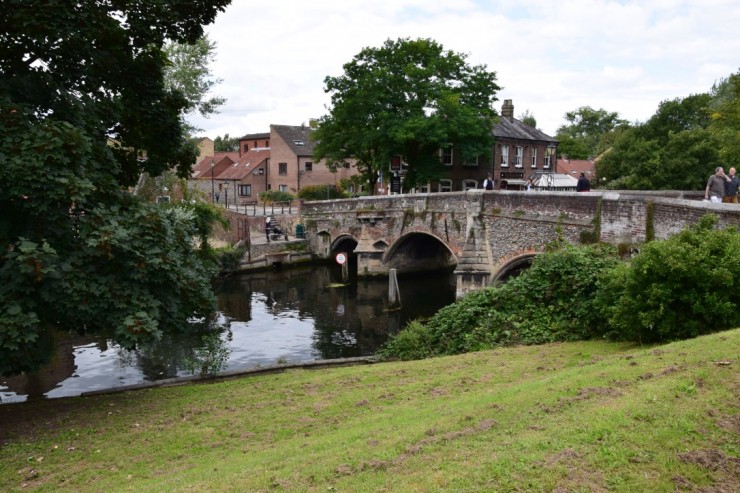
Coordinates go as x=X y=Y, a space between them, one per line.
x=341 y=258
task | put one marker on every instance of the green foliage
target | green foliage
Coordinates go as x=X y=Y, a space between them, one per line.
x=408 y=98
x=271 y=196
x=725 y=119
x=587 y=132
x=321 y=192
x=187 y=72
x=229 y=259
x=551 y=301
x=83 y=98
x=528 y=118
x=226 y=143
x=674 y=150
x=677 y=288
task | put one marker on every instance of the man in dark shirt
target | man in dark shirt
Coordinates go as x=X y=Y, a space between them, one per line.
x=731 y=187
x=583 y=184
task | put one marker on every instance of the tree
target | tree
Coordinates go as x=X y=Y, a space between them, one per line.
x=672 y=150
x=226 y=143
x=187 y=71
x=85 y=110
x=582 y=137
x=407 y=98
x=528 y=118
x=725 y=118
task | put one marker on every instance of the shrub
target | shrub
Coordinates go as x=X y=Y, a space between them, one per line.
x=551 y=301
x=677 y=288
x=275 y=196
x=321 y=192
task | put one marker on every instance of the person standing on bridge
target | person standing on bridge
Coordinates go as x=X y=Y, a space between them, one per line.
x=715 y=190
x=583 y=184
x=268 y=220
x=488 y=182
x=731 y=187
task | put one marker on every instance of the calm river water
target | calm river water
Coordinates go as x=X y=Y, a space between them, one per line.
x=266 y=318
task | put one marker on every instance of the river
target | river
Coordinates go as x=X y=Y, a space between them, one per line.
x=265 y=318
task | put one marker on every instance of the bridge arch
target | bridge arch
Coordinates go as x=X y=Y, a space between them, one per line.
x=419 y=251
x=343 y=243
x=513 y=265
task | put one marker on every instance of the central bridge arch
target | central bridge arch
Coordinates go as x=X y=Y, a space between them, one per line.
x=419 y=252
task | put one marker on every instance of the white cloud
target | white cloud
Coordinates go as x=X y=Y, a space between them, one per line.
x=550 y=57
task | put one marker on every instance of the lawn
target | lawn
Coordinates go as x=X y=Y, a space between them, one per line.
x=584 y=416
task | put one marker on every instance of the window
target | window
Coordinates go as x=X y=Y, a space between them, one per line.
x=299 y=142
x=246 y=147
x=504 y=156
x=445 y=185
x=267 y=143
x=422 y=188
x=470 y=185
x=519 y=157
x=445 y=156
x=283 y=188
x=309 y=166
x=262 y=171
x=549 y=152
x=472 y=162
x=534 y=157
x=282 y=168
x=245 y=190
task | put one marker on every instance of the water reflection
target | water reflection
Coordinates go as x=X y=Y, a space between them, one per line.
x=291 y=315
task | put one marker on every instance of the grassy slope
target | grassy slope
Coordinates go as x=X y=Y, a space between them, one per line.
x=587 y=416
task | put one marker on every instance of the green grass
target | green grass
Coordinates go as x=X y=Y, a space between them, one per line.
x=586 y=416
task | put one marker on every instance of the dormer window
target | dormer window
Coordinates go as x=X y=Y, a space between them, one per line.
x=299 y=142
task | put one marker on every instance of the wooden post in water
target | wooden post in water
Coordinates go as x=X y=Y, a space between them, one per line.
x=394 y=294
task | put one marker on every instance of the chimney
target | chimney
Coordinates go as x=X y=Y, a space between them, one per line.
x=507 y=110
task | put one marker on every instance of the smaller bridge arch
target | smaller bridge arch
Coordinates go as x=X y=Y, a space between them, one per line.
x=343 y=243
x=513 y=264
x=419 y=251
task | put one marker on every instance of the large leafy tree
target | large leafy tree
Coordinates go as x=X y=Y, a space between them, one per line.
x=226 y=143
x=673 y=150
x=188 y=72
x=725 y=118
x=408 y=98
x=587 y=133
x=84 y=110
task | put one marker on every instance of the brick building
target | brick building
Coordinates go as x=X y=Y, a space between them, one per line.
x=520 y=151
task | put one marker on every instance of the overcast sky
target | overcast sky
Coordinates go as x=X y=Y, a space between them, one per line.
x=550 y=56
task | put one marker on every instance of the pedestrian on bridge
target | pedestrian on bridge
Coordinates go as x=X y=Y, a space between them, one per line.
x=715 y=190
x=731 y=187
x=488 y=182
x=268 y=220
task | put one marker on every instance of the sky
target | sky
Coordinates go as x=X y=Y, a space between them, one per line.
x=550 y=57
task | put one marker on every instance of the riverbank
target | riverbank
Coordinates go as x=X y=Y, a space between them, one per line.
x=589 y=416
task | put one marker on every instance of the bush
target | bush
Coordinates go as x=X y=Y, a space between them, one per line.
x=551 y=301
x=275 y=196
x=321 y=192
x=677 y=288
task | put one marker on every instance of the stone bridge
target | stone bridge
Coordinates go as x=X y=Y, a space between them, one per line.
x=487 y=236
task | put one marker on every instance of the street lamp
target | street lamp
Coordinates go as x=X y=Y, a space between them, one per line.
x=213 y=190
x=226 y=193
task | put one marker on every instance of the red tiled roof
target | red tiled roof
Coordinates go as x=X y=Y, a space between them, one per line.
x=574 y=167
x=221 y=160
x=246 y=164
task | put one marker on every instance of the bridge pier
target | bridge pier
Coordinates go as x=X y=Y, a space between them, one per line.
x=370 y=252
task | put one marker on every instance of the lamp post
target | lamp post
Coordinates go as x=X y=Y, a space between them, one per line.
x=213 y=190
x=226 y=193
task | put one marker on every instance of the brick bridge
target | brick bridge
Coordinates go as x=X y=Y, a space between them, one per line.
x=485 y=236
